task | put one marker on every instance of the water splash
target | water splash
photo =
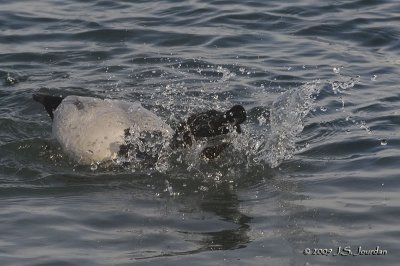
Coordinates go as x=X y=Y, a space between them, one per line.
x=336 y=70
x=287 y=117
x=226 y=74
x=339 y=86
x=268 y=140
x=144 y=149
x=10 y=80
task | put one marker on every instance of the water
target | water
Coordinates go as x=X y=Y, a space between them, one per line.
x=319 y=172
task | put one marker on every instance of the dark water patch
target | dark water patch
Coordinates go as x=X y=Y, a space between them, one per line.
x=22 y=20
x=373 y=107
x=21 y=131
x=360 y=4
x=234 y=41
x=161 y=38
x=183 y=39
x=250 y=19
x=355 y=146
x=385 y=122
x=110 y=4
x=376 y=37
x=197 y=16
x=106 y=35
x=33 y=57
x=28 y=38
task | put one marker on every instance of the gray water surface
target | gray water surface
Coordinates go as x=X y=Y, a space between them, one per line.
x=322 y=173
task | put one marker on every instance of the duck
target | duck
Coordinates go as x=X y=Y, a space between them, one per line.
x=212 y=126
x=93 y=130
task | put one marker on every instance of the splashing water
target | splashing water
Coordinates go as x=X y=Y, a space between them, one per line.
x=144 y=149
x=270 y=140
x=287 y=115
x=338 y=86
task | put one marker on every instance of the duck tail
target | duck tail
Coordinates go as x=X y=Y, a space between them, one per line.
x=49 y=102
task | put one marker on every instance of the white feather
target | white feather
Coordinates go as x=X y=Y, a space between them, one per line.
x=92 y=130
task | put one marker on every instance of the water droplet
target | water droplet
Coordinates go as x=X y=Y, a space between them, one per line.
x=203 y=188
x=384 y=142
x=93 y=167
x=10 y=80
x=262 y=120
x=365 y=126
x=373 y=78
x=336 y=70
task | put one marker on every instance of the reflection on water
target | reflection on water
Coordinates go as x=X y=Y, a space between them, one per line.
x=230 y=211
x=222 y=202
x=226 y=205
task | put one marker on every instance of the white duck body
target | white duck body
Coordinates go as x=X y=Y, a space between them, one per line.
x=92 y=130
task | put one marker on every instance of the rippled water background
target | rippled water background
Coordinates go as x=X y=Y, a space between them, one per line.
x=324 y=173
